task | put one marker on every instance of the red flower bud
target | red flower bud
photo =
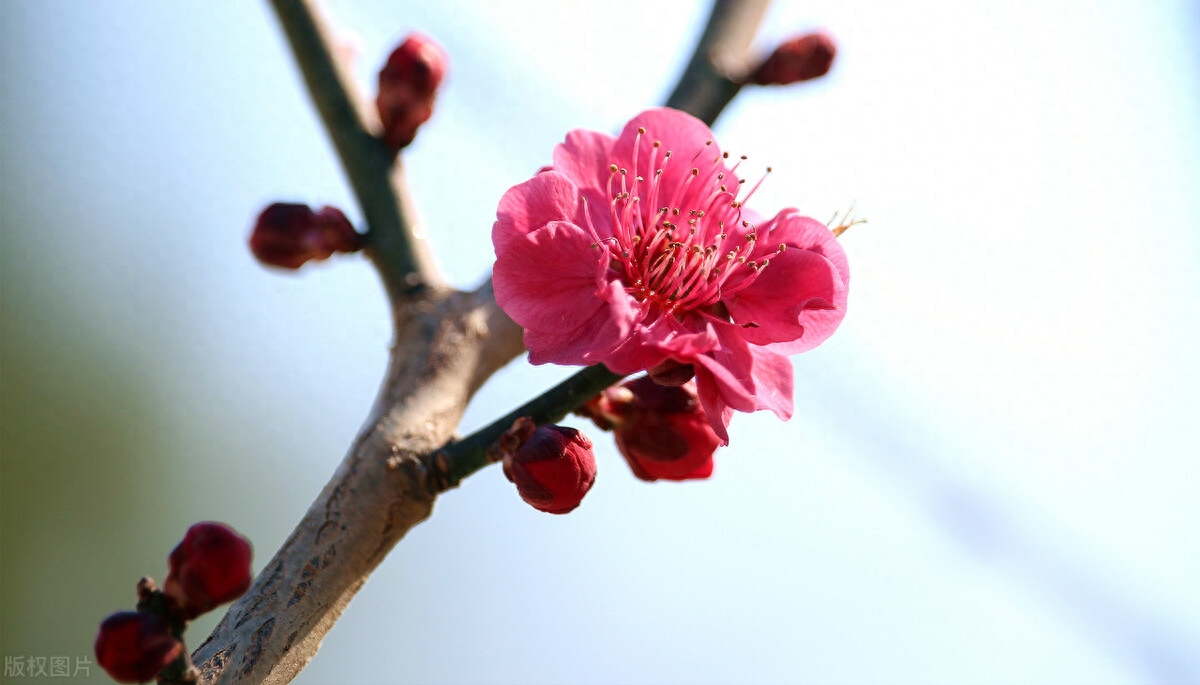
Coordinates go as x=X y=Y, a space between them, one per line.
x=133 y=647
x=661 y=431
x=288 y=235
x=209 y=567
x=553 y=466
x=408 y=83
x=799 y=59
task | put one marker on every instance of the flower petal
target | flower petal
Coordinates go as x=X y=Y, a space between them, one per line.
x=551 y=277
x=799 y=299
x=793 y=229
x=584 y=158
x=743 y=377
x=795 y=298
x=692 y=146
x=715 y=409
x=530 y=205
x=591 y=341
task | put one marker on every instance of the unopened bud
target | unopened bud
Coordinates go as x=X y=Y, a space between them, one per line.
x=210 y=567
x=408 y=84
x=132 y=646
x=288 y=235
x=661 y=431
x=552 y=466
x=799 y=59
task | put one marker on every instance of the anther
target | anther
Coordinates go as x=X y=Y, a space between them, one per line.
x=642 y=129
x=612 y=168
x=695 y=171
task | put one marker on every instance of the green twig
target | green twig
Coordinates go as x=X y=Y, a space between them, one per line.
x=460 y=459
x=375 y=174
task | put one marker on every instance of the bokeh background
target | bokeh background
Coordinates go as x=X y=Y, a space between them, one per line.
x=992 y=475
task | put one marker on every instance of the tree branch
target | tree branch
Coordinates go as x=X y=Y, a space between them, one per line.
x=375 y=174
x=447 y=344
x=720 y=62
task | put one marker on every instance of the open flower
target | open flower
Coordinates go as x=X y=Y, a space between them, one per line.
x=638 y=250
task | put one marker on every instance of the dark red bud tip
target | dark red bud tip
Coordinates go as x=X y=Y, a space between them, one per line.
x=408 y=84
x=210 y=567
x=664 y=433
x=799 y=59
x=553 y=469
x=288 y=235
x=133 y=647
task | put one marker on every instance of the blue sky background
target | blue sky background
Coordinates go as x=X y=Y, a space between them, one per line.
x=992 y=472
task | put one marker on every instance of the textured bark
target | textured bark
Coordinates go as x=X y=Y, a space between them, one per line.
x=378 y=493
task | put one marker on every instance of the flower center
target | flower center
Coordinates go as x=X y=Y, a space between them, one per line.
x=681 y=243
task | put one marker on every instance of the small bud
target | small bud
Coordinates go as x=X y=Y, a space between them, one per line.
x=661 y=431
x=288 y=235
x=210 y=567
x=408 y=84
x=799 y=59
x=133 y=647
x=553 y=466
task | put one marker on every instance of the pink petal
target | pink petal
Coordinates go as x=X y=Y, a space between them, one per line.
x=715 y=409
x=773 y=381
x=637 y=352
x=799 y=297
x=530 y=205
x=796 y=230
x=551 y=278
x=588 y=343
x=742 y=377
x=692 y=146
x=584 y=158
x=730 y=367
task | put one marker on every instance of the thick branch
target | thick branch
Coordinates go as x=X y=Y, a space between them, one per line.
x=378 y=493
x=400 y=255
x=719 y=63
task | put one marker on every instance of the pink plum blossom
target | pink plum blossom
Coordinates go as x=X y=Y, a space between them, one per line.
x=638 y=252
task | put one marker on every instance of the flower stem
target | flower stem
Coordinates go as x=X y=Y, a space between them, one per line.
x=461 y=458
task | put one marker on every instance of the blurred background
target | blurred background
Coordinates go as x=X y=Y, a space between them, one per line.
x=992 y=473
